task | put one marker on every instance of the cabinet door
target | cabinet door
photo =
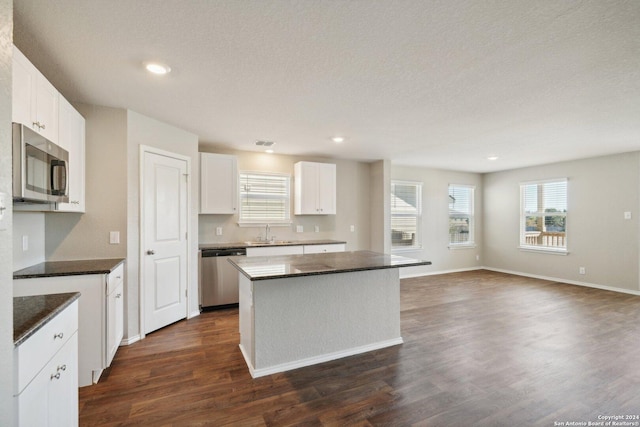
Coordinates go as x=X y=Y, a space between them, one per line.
x=72 y=138
x=306 y=188
x=24 y=76
x=115 y=321
x=327 y=188
x=47 y=108
x=62 y=373
x=218 y=184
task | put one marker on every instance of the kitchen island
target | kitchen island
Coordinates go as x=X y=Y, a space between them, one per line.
x=300 y=310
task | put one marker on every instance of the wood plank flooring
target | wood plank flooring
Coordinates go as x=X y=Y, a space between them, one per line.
x=481 y=349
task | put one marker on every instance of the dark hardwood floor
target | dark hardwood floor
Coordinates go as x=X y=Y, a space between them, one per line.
x=481 y=349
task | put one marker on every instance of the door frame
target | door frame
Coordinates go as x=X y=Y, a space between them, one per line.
x=144 y=149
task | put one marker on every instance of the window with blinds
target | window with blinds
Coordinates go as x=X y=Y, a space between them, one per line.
x=264 y=198
x=406 y=212
x=461 y=218
x=543 y=216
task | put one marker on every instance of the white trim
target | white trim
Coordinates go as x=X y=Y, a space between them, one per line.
x=566 y=281
x=402 y=249
x=462 y=246
x=141 y=251
x=193 y=314
x=434 y=273
x=283 y=367
x=544 y=181
x=130 y=340
x=543 y=250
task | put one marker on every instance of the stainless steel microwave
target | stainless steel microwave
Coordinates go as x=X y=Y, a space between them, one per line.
x=40 y=168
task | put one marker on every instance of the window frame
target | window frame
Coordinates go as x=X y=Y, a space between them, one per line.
x=263 y=221
x=417 y=241
x=471 y=242
x=523 y=246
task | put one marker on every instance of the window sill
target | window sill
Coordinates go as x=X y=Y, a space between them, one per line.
x=467 y=246
x=543 y=250
x=264 y=224
x=406 y=249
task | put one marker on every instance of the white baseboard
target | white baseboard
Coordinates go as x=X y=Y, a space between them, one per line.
x=130 y=340
x=570 y=282
x=433 y=273
x=193 y=314
x=255 y=373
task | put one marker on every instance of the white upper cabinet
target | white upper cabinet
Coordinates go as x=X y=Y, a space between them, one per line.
x=218 y=184
x=72 y=139
x=315 y=188
x=35 y=100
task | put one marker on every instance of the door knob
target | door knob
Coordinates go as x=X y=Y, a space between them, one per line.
x=151 y=252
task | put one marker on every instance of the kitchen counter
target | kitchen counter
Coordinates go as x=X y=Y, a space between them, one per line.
x=300 y=310
x=69 y=268
x=236 y=245
x=265 y=268
x=33 y=312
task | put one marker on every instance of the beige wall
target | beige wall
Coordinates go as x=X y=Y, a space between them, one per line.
x=30 y=225
x=86 y=236
x=435 y=220
x=352 y=199
x=6 y=246
x=600 y=190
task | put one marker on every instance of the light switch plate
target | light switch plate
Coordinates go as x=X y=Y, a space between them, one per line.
x=114 y=237
x=317 y=229
x=627 y=215
x=299 y=228
x=218 y=231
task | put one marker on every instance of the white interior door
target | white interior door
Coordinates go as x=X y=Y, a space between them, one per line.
x=164 y=241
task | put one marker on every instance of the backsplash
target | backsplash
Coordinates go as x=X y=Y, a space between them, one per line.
x=28 y=239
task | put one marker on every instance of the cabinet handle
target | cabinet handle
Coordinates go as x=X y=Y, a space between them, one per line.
x=58 y=335
x=42 y=126
x=55 y=376
x=62 y=368
x=118 y=295
x=151 y=252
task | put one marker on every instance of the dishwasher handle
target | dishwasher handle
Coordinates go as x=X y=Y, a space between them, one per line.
x=209 y=253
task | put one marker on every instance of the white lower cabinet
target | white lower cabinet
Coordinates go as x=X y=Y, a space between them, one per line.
x=320 y=249
x=46 y=387
x=100 y=313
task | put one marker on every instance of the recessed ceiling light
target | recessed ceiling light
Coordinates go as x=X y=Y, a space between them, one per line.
x=492 y=158
x=337 y=139
x=265 y=143
x=157 y=68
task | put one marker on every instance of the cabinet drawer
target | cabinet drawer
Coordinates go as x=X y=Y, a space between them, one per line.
x=33 y=354
x=116 y=277
x=319 y=249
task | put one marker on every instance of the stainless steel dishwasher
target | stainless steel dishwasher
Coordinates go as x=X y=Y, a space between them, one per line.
x=218 y=278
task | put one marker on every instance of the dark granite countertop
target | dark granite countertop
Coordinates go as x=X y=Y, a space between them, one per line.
x=32 y=313
x=276 y=267
x=237 y=245
x=68 y=268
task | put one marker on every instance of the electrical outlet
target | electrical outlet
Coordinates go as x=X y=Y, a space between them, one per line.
x=352 y=228
x=582 y=270
x=317 y=229
x=477 y=257
x=218 y=231
x=627 y=215
x=114 y=237
x=299 y=228
x=25 y=243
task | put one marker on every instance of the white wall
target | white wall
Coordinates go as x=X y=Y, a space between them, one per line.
x=435 y=220
x=600 y=190
x=380 y=194
x=142 y=130
x=352 y=202
x=6 y=245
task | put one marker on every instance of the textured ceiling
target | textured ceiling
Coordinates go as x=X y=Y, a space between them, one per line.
x=432 y=83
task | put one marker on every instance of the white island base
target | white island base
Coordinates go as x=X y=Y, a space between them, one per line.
x=288 y=323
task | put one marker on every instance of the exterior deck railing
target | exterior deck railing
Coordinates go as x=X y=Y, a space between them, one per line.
x=545 y=238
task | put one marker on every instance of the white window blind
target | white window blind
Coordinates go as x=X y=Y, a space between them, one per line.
x=461 y=217
x=264 y=197
x=543 y=218
x=406 y=211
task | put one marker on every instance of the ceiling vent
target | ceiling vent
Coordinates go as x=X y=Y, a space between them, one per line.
x=264 y=143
